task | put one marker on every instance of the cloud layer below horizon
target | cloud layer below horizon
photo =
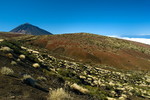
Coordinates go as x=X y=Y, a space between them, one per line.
x=141 y=40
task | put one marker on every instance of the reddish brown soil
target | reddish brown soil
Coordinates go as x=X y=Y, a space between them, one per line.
x=79 y=47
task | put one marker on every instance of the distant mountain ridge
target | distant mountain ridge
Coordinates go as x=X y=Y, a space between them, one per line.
x=30 y=29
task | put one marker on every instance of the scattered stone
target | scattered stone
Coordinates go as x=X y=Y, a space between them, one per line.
x=119 y=83
x=79 y=88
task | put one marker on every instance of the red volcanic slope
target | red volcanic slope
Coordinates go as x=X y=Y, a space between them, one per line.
x=96 y=49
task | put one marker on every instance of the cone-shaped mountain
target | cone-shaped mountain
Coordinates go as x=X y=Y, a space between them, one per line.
x=30 y=29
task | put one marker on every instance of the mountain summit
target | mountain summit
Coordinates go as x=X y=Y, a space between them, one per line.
x=30 y=29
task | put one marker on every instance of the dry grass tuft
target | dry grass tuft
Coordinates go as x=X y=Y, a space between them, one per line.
x=36 y=65
x=22 y=57
x=58 y=94
x=5 y=49
x=6 y=71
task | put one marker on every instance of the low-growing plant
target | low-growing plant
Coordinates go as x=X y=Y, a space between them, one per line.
x=66 y=73
x=13 y=63
x=13 y=45
x=5 y=49
x=6 y=71
x=97 y=92
x=58 y=94
x=36 y=65
x=22 y=56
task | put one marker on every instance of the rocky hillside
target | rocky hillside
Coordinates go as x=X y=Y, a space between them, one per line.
x=30 y=29
x=96 y=49
x=27 y=70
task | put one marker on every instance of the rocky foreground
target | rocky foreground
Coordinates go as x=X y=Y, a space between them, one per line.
x=30 y=71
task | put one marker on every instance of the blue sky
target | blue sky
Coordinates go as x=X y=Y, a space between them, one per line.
x=125 y=18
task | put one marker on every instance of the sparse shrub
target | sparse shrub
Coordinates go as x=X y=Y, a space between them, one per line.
x=18 y=60
x=36 y=65
x=1 y=40
x=66 y=73
x=58 y=94
x=5 y=49
x=6 y=71
x=101 y=94
x=13 y=63
x=22 y=57
x=14 y=45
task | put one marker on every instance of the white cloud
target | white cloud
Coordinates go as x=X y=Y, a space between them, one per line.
x=141 y=40
x=144 y=34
